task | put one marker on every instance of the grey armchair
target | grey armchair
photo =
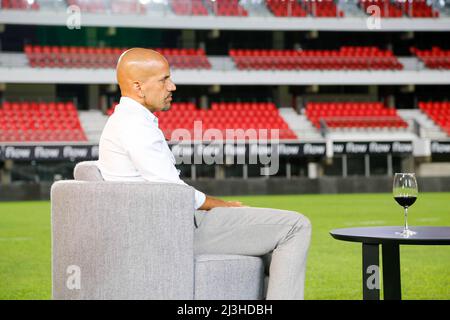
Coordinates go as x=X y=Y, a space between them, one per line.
x=131 y=240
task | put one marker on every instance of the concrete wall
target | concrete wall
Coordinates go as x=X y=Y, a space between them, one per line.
x=233 y=77
x=435 y=169
x=328 y=185
x=30 y=92
x=257 y=186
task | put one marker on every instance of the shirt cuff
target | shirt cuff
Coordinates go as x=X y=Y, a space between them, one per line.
x=200 y=198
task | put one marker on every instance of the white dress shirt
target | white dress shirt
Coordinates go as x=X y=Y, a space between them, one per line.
x=133 y=148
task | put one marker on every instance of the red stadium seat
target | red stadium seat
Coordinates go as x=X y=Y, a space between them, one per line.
x=223 y=116
x=127 y=7
x=353 y=114
x=39 y=121
x=439 y=112
x=20 y=5
x=434 y=58
x=351 y=58
x=194 y=7
x=323 y=9
x=92 y=6
x=418 y=9
x=387 y=8
x=96 y=57
x=282 y=8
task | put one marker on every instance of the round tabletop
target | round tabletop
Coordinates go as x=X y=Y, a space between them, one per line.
x=380 y=235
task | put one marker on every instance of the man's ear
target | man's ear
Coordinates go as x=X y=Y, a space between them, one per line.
x=138 y=89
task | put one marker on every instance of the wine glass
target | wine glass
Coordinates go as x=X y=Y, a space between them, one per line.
x=405 y=193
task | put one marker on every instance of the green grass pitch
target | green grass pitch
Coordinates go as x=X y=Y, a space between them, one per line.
x=333 y=269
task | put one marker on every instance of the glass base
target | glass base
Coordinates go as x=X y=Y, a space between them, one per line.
x=406 y=233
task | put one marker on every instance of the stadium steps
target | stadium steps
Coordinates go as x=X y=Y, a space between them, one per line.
x=221 y=63
x=350 y=9
x=52 y=5
x=92 y=122
x=444 y=11
x=428 y=129
x=13 y=59
x=411 y=63
x=153 y=8
x=301 y=126
x=256 y=9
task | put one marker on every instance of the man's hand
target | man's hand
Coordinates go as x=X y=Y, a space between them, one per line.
x=212 y=202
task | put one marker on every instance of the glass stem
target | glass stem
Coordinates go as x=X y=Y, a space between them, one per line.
x=406 y=218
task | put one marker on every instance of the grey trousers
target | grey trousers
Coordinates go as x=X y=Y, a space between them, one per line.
x=281 y=237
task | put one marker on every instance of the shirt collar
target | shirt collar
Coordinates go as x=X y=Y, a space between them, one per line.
x=128 y=104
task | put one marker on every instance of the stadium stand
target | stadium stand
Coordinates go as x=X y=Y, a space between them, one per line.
x=39 y=121
x=227 y=8
x=222 y=116
x=265 y=49
x=387 y=8
x=194 y=7
x=419 y=9
x=397 y=9
x=436 y=58
x=20 y=5
x=323 y=9
x=92 y=6
x=91 y=57
x=281 y=8
x=127 y=7
x=186 y=58
x=115 y=6
x=439 y=112
x=353 y=115
x=353 y=58
x=277 y=8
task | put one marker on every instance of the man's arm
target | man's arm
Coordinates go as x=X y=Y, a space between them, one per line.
x=211 y=202
x=149 y=153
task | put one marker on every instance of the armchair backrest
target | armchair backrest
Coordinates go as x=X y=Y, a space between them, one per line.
x=122 y=240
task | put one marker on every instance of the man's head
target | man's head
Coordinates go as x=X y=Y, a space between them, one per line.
x=144 y=76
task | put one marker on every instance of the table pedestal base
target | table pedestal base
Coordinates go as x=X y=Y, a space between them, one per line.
x=391 y=272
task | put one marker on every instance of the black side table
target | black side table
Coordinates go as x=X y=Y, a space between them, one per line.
x=371 y=238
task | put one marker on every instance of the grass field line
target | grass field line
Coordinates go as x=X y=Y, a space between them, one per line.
x=366 y=223
x=15 y=239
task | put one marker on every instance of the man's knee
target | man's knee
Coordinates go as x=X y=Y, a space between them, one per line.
x=305 y=221
x=299 y=219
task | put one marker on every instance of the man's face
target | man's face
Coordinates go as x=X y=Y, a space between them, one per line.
x=158 y=89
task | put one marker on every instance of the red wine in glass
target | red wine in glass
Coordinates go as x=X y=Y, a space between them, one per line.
x=405 y=202
x=405 y=192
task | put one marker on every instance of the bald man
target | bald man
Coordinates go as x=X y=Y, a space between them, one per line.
x=133 y=148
